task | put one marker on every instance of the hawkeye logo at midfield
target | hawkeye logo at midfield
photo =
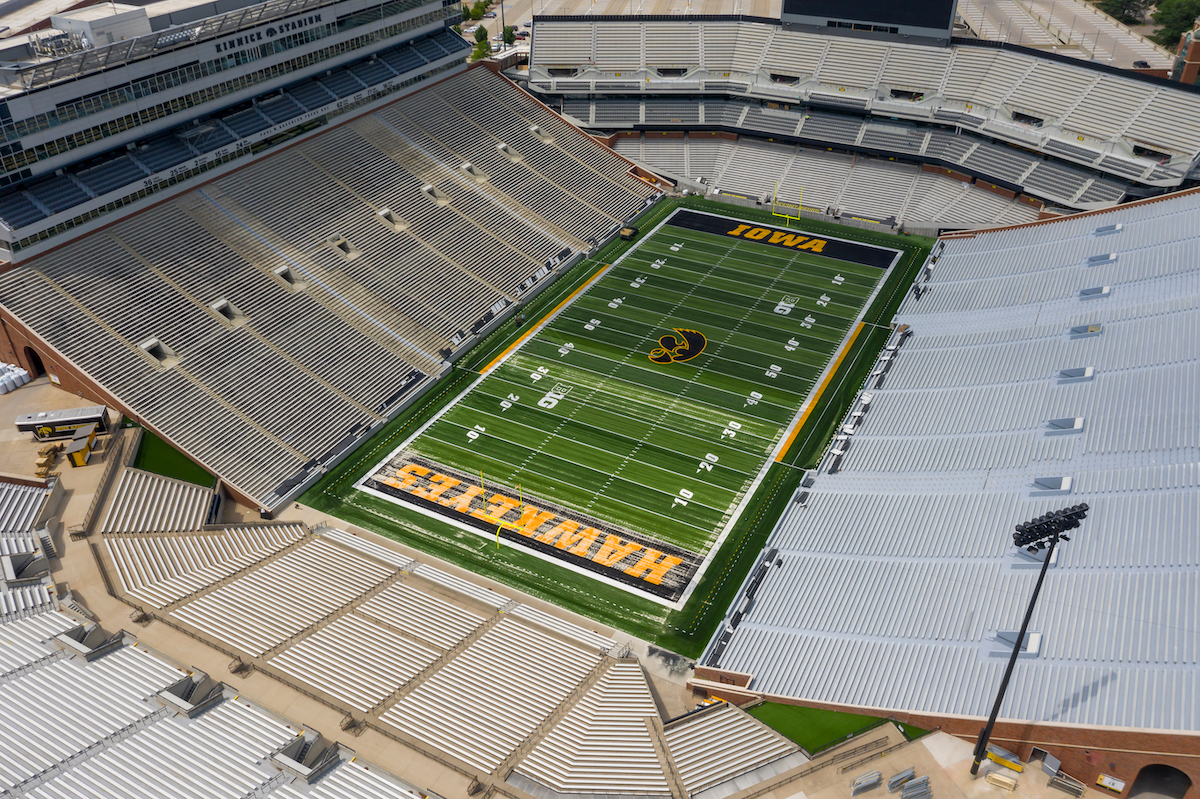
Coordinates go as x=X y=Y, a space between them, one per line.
x=777 y=237
x=683 y=347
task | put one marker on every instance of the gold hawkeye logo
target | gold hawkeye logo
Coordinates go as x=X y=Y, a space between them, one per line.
x=683 y=347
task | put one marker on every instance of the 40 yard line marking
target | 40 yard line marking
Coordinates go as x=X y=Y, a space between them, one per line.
x=816 y=395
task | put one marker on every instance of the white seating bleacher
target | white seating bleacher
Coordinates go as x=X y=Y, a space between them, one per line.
x=482 y=704
x=354 y=660
x=603 y=745
x=162 y=569
x=280 y=599
x=968 y=435
x=715 y=745
x=149 y=503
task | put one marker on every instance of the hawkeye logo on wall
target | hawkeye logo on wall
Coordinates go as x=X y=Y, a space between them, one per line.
x=621 y=555
x=777 y=237
x=682 y=347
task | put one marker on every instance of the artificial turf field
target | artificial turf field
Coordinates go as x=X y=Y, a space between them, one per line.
x=648 y=405
x=689 y=628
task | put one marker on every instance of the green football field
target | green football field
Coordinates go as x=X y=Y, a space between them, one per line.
x=652 y=401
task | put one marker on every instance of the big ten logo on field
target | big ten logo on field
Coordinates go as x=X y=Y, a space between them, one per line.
x=682 y=347
x=565 y=536
x=786 y=305
x=777 y=237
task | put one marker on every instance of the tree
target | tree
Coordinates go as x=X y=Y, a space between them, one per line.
x=482 y=50
x=510 y=35
x=1174 y=18
x=481 y=36
x=1131 y=12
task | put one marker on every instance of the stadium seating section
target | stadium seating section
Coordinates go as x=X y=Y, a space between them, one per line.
x=268 y=320
x=1071 y=110
x=850 y=185
x=1047 y=366
x=126 y=171
x=86 y=715
x=968 y=152
x=444 y=665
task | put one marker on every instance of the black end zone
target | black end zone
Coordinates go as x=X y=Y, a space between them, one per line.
x=788 y=239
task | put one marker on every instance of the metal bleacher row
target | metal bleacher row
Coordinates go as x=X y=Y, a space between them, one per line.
x=84 y=714
x=609 y=724
x=697 y=746
x=449 y=666
x=149 y=503
x=848 y=184
x=266 y=321
x=1040 y=367
x=161 y=570
x=121 y=168
x=1073 y=110
x=1055 y=181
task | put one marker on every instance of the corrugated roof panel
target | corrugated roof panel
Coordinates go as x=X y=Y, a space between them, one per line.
x=900 y=569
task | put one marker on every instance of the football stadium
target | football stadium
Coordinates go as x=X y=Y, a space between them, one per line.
x=673 y=400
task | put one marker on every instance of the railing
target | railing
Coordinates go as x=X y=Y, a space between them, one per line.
x=131 y=447
x=114 y=447
x=33 y=665
x=1068 y=784
x=877 y=755
x=847 y=755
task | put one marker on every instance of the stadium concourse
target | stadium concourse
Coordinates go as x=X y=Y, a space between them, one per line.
x=1033 y=368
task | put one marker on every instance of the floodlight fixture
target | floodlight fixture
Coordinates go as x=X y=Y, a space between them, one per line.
x=1043 y=532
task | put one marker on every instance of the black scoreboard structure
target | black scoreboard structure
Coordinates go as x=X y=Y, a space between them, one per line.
x=923 y=21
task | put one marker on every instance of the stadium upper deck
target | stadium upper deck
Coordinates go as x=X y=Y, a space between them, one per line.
x=1131 y=126
x=108 y=75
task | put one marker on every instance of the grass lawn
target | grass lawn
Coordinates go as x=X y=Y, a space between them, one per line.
x=809 y=727
x=816 y=729
x=157 y=456
x=687 y=630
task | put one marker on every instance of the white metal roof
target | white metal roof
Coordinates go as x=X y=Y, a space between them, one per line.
x=899 y=570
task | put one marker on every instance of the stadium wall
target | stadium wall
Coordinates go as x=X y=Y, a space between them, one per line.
x=1085 y=752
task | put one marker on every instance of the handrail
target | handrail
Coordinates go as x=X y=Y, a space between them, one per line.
x=115 y=444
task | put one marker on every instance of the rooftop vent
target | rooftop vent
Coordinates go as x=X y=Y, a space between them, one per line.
x=1105 y=230
x=437 y=195
x=475 y=172
x=509 y=153
x=288 y=278
x=1078 y=374
x=1103 y=258
x=391 y=221
x=542 y=135
x=1095 y=293
x=1002 y=644
x=1081 y=331
x=1055 y=485
x=342 y=246
x=229 y=313
x=160 y=353
x=1068 y=424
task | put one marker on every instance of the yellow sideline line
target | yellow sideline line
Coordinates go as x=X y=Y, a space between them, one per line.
x=541 y=322
x=812 y=401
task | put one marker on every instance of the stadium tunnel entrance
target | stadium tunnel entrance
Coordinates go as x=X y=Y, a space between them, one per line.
x=1160 y=781
x=36 y=368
